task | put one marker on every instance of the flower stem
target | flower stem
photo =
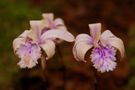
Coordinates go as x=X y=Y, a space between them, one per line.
x=43 y=62
x=43 y=65
x=96 y=80
x=63 y=68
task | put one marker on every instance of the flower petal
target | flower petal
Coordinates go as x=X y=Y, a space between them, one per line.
x=83 y=37
x=26 y=64
x=36 y=28
x=95 y=31
x=103 y=58
x=61 y=27
x=82 y=51
x=19 y=40
x=58 y=22
x=48 y=20
x=107 y=34
x=48 y=16
x=108 y=37
x=29 y=54
x=37 y=25
x=49 y=48
x=82 y=45
x=24 y=34
x=117 y=43
x=53 y=34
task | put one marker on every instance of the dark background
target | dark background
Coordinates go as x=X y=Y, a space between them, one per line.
x=62 y=72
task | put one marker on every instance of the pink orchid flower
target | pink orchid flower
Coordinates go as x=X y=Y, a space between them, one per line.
x=55 y=24
x=104 y=47
x=51 y=23
x=30 y=44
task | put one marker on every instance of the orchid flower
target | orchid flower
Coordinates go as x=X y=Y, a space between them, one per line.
x=104 y=47
x=27 y=50
x=53 y=24
x=31 y=44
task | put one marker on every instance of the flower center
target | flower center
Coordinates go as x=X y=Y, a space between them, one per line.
x=29 y=47
x=103 y=58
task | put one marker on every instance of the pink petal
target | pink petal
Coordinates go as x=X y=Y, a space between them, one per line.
x=29 y=54
x=58 y=21
x=118 y=44
x=108 y=37
x=107 y=34
x=82 y=45
x=49 y=48
x=17 y=42
x=61 y=27
x=24 y=34
x=36 y=24
x=49 y=16
x=36 y=28
x=82 y=51
x=26 y=64
x=83 y=37
x=104 y=37
x=20 y=40
x=95 y=31
x=48 y=20
x=60 y=34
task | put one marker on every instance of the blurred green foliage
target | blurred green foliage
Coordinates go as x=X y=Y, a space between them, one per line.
x=131 y=57
x=14 y=19
x=131 y=46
